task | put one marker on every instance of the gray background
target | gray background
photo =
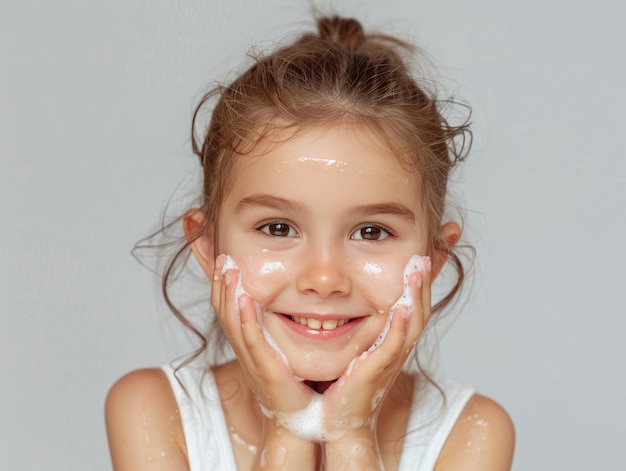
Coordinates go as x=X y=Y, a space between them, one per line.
x=95 y=103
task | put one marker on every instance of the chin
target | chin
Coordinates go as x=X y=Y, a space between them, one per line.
x=321 y=368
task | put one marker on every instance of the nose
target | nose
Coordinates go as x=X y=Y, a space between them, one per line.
x=324 y=272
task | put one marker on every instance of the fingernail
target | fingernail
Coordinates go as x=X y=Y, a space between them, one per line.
x=406 y=312
x=219 y=264
x=415 y=280
x=228 y=278
x=427 y=264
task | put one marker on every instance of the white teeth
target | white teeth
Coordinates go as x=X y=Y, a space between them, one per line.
x=328 y=324
x=314 y=323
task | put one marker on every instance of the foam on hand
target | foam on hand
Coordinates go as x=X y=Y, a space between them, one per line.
x=415 y=265
x=307 y=423
x=229 y=264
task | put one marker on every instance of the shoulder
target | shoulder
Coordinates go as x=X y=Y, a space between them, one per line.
x=483 y=438
x=143 y=424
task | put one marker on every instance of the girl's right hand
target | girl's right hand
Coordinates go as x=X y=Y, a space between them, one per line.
x=274 y=385
x=272 y=381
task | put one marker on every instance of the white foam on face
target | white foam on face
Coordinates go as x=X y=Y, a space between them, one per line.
x=230 y=264
x=271 y=267
x=372 y=268
x=415 y=264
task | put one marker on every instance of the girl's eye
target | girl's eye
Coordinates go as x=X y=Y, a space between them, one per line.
x=370 y=233
x=278 y=229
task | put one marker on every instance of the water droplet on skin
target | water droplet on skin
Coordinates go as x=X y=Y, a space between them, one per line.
x=377 y=398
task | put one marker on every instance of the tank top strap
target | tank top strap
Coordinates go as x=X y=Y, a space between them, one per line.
x=204 y=425
x=431 y=420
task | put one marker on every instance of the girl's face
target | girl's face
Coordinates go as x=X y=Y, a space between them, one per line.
x=321 y=227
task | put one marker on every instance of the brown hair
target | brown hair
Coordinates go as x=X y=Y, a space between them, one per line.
x=339 y=73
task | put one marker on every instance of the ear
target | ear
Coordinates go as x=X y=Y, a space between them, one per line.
x=449 y=235
x=199 y=231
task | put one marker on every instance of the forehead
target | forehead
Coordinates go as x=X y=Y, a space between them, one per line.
x=352 y=152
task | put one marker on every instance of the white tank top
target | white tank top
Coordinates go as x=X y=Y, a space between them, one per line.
x=208 y=439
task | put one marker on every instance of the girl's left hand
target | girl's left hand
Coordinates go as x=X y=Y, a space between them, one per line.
x=352 y=404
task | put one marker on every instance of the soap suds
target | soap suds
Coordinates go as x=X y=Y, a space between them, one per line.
x=307 y=423
x=271 y=267
x=415 y=264
x=372 y=268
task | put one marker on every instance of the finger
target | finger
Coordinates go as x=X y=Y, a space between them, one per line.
x=270 y=367
x=251 y=332
x=392 y=350
x=416 y=311
x=216 y=285
x=426 y=289
x=265 y=357
x=385 y=358
x=227 y=313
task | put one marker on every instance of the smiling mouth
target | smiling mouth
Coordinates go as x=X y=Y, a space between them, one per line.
x=317 y=324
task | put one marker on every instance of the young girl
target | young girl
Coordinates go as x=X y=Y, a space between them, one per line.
x=325 y=171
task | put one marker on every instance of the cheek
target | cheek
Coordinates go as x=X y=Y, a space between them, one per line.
x=262 y=275
x=381 y=282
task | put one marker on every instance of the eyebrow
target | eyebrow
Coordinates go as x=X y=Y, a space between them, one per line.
x=267 y=201
x=281 y=204
x=397 y=209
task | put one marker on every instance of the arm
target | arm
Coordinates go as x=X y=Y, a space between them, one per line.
x=483 y=439
x=143 y=424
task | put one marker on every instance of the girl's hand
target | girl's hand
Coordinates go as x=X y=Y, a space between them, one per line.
x=272 y=381
x=353 y=403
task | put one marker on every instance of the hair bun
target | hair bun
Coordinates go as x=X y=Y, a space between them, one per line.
x=346 y=31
